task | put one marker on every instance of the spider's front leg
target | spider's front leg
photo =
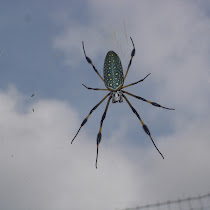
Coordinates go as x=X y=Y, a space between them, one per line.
x=143 y=125
x=150 y=102
x=85 y=120
x=99 y=134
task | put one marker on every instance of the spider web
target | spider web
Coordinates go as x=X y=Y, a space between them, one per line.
x=200 y=202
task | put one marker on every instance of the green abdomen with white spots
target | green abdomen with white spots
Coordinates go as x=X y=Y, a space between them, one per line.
x=113 y=71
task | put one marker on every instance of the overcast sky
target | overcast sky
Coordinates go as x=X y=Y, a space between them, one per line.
x=41 y=53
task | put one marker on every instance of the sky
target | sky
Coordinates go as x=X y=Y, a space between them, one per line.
x=41 y=52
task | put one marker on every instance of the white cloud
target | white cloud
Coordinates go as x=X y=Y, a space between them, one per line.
x=172 y=42
x=41 y=169
x=39 y=166
x=171 y=39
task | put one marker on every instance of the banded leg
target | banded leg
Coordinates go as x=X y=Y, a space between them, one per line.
x=136 y=82
x=153 y=103
x=85 y=120
x=93 y=88
x=90 y=62
x=132 y=55
x=144 y=126
x=99 y=134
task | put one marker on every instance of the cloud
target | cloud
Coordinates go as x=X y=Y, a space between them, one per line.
x=39 y=166
x=171 y=39
x=41 y=169
x=172 y=43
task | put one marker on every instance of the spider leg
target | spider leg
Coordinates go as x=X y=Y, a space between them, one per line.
x=85 y=120
x=90 y=62
x=99 y=134
x=144 y=126
x=136 y=82
x=132 y=55
x=153 y=103
x=93 y=88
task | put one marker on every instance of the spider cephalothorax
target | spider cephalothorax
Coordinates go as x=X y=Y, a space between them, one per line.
x=117 y=96
x=114 y=82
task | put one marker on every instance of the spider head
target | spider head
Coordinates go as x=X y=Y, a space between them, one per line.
x=117 y=96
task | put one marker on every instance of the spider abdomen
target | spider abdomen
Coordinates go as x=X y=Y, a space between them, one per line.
x=113 y=71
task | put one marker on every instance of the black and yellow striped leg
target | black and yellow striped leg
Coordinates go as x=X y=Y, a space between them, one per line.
x=90 y=62
x=85 y=120
x=144 y=126
x=93 y=88
x=136 y=82
x=132 y=55
x=150 y=102
x=98 y=140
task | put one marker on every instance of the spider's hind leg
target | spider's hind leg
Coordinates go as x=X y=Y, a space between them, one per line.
x=132 y=55
x=91 y=63
x=89 y=88
x=136 y=82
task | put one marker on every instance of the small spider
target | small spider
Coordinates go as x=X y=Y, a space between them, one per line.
x=114 y=81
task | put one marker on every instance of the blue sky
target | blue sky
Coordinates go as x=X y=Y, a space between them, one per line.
x=41 y=53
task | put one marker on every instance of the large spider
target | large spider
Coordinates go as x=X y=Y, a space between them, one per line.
x=114 y=81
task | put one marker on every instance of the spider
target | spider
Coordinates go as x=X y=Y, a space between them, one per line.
x=114 y=81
